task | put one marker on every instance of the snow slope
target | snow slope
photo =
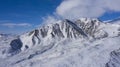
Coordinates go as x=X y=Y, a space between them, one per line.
x=82 y=43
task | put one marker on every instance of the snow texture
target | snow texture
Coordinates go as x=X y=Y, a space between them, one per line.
x=82 y=43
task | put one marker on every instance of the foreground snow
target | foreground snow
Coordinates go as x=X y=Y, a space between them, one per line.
x=79 y=53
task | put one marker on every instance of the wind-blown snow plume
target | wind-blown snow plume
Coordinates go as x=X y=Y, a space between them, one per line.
x=86 y=8
x=50 y=19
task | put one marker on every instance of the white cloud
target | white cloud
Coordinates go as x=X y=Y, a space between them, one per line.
x=11 y=25
x=73 y=9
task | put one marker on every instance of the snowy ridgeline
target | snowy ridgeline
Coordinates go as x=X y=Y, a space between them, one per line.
x=82 y=43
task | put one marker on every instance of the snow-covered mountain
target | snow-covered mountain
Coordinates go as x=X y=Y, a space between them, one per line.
x=85 y=42
x=5 y=40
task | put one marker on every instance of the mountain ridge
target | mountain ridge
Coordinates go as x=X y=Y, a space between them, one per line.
x=81 y=28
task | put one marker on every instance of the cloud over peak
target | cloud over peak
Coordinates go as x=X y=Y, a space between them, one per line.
x=73 y=9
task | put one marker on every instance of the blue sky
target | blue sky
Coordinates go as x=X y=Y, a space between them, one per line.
x=25 y=11
x=29 y=13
